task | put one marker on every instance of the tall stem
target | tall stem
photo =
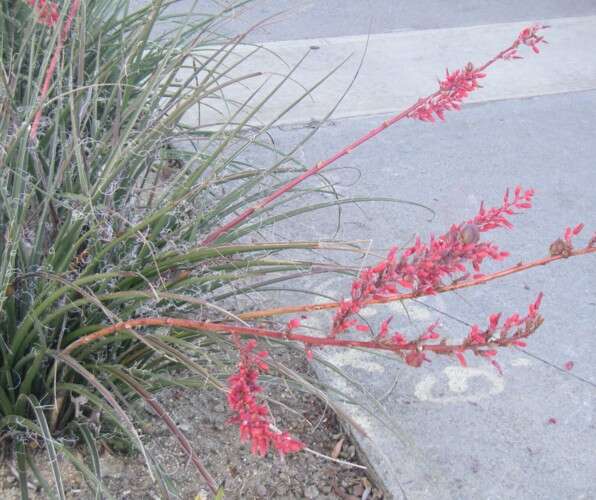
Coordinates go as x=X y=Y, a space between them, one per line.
x=220 y=231
x=310 y=340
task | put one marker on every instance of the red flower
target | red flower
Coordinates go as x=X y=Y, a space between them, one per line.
x=461 y=358
x=430 y=333
x=384 y=329
x=252 y=417
x=415 y=358
x=476 y=336
x=399 y=339
x=47 y=12
x=293 y=323
x=422 y=267
x=452 y=91
x=570 y=233
x=529 y=36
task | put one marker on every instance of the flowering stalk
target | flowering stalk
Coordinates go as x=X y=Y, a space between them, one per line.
x=251 y=416
x=457 y=285
x=422 y=267
x=482 y=342
x=457 y=85
x=391 y=344
x=380 y=342
x=51 y=19
x=47 y=12
x=452 y=91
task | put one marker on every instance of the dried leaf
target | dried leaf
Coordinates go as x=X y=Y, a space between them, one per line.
x=337 y=448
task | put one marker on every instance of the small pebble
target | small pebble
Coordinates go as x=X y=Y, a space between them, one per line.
x=358 y=490
x=281 y=490
x=311 y=492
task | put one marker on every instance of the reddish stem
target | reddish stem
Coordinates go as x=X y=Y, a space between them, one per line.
x=309 y=173
x=404 y=296
x=310 y=340
x=218 y=232
x=385 y=345
x=45 y=88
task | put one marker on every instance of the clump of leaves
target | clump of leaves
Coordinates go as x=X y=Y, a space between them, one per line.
x=105 y=195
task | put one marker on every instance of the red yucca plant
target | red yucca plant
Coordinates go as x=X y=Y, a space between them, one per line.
x=98 y=244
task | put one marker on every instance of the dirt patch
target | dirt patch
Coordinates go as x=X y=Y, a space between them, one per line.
x=202 y=416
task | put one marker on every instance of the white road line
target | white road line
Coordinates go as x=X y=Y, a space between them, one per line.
x=400 y=67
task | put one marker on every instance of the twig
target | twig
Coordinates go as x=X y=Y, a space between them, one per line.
x=336 y=460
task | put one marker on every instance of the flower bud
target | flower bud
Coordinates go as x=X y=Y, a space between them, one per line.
x=470 y=233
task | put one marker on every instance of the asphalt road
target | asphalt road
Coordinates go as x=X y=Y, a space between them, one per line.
x=291 y=20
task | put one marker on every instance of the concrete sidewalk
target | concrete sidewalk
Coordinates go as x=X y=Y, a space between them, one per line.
x=393 y=70
x=467 y=433
x=454 y=432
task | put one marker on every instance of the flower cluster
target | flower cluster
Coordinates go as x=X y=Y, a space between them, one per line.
x=251 y=416
x=47 y=11
x=482 y=342
x=456 y=86
x=529 y=37
x=512 y=331
x=452 y=91
x=422 y=267
x=496 y=217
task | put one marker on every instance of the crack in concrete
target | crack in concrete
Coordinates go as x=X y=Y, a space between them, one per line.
x=552 y=365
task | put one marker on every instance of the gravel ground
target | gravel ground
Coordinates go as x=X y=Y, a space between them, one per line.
x=202 y=416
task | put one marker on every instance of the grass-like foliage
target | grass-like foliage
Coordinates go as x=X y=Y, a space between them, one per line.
x=105 y=196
